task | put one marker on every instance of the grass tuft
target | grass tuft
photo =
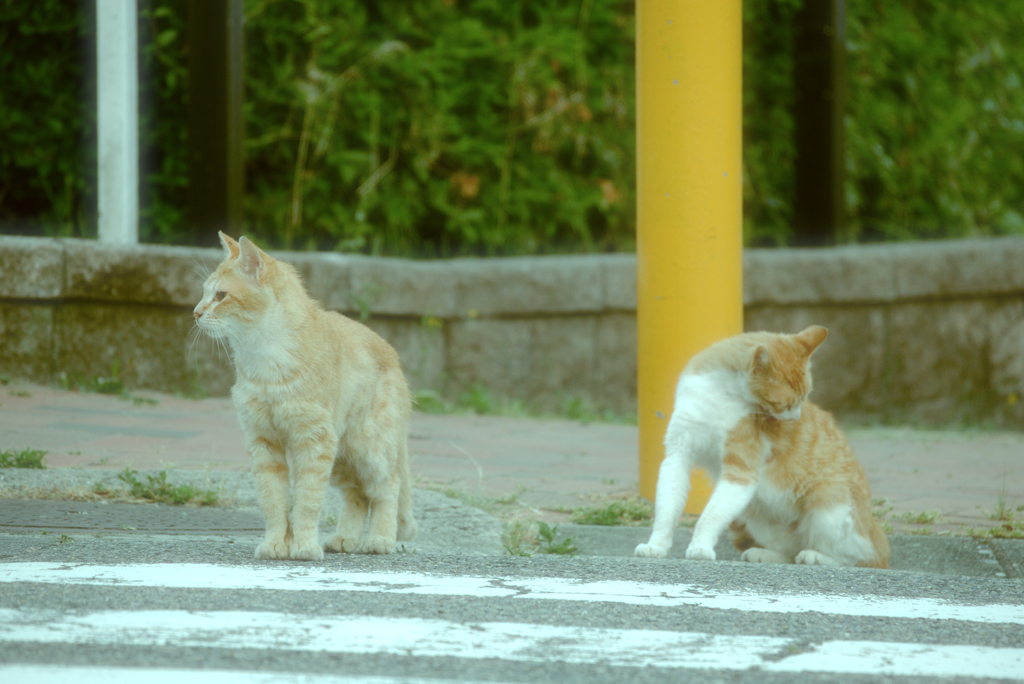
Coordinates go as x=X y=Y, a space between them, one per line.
x=27 y=458
x=159 y=490
x=631 y=512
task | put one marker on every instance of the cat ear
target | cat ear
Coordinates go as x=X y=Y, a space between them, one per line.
x=812 y=337
x=762 y=359
x=251 y=259
x=230 y=246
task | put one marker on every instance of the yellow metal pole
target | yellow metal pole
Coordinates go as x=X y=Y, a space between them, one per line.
x=689 y=203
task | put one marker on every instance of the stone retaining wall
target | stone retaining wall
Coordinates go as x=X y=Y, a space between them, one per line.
x=920 y=332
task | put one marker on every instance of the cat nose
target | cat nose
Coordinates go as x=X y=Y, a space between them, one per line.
x=198 y=314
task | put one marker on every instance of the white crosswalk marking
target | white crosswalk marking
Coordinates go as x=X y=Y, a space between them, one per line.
x=54 y=674
x=205 y=576
x=472 y=640
x=502 y=641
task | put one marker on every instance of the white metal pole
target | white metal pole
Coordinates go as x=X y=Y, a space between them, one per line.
x=117 y=121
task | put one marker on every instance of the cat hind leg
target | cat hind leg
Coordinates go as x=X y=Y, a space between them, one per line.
x=833 y=540
x=351 y=521
x=812 y=557
x=758 y=555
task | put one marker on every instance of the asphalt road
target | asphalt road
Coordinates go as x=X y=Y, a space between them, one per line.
x=159 y=608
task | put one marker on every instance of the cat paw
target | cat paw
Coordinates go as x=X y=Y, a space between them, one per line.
x=376 y=544
x=759 y=555
x=337 y=543
x=650 y=551
x=307 y=552
x=811 y=557
x=700 y=553
x=272 y=550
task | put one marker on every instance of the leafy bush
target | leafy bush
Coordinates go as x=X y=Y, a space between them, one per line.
x=489 y=126
x=935 y=110
x=507 y=126
x=44 y=112
x=935 y=125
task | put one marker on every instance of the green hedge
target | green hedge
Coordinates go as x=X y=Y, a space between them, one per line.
x=42 y=114
x=422 y=128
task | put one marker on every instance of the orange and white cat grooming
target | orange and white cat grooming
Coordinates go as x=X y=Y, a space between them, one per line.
x=318 y=395
x=788 y=483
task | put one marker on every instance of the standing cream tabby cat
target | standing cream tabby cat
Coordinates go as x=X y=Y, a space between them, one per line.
x=788 y=483
x=319 y=395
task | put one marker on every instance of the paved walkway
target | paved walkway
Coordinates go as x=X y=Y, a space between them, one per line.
x=551 y=464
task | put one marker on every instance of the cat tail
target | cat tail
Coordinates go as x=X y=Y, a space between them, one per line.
x=407 y=526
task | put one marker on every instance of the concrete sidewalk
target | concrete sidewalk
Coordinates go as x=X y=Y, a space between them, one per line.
x=552 y=465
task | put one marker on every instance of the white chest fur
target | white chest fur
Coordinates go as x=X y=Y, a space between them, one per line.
x=707 y=407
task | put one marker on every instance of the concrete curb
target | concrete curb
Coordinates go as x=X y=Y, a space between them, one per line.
x=446 y=526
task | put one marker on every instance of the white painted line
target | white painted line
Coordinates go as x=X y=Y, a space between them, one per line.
x=906 y=660
x=312 y=578
x=417 y=638
x=57 y=674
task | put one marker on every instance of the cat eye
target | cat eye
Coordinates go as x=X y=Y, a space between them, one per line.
x=220 y=295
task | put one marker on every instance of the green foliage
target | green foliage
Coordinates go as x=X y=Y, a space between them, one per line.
x=933 y=125
x=163 y=122
x=630 y=512
x=44 y=117
x=441 y=128
x=112 y=385
x=159 y=490
x=507 y=127
x=26 y=458
x=768 y=96
x=546 y=535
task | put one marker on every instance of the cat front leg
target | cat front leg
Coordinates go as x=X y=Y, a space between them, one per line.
x=670 y=499
x=270 y=470
x=726 y=503
x=312 y=459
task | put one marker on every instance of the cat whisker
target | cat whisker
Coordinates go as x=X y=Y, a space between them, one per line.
x=192 y=338
x=201 y=269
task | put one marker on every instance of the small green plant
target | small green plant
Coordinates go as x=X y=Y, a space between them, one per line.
x=546 y=535
x=27 y=458
x=630 y=512
x=515 y=538
x=158 y=489
x=1004 y=510
x=923 y=518
x=429 y=401
x=111 y=385
x=880 y=509
x=511 y=498
x=481 y=401
x=65 y=539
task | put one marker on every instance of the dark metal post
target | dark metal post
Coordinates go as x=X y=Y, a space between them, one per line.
x=215 y=125
x=820 y=80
